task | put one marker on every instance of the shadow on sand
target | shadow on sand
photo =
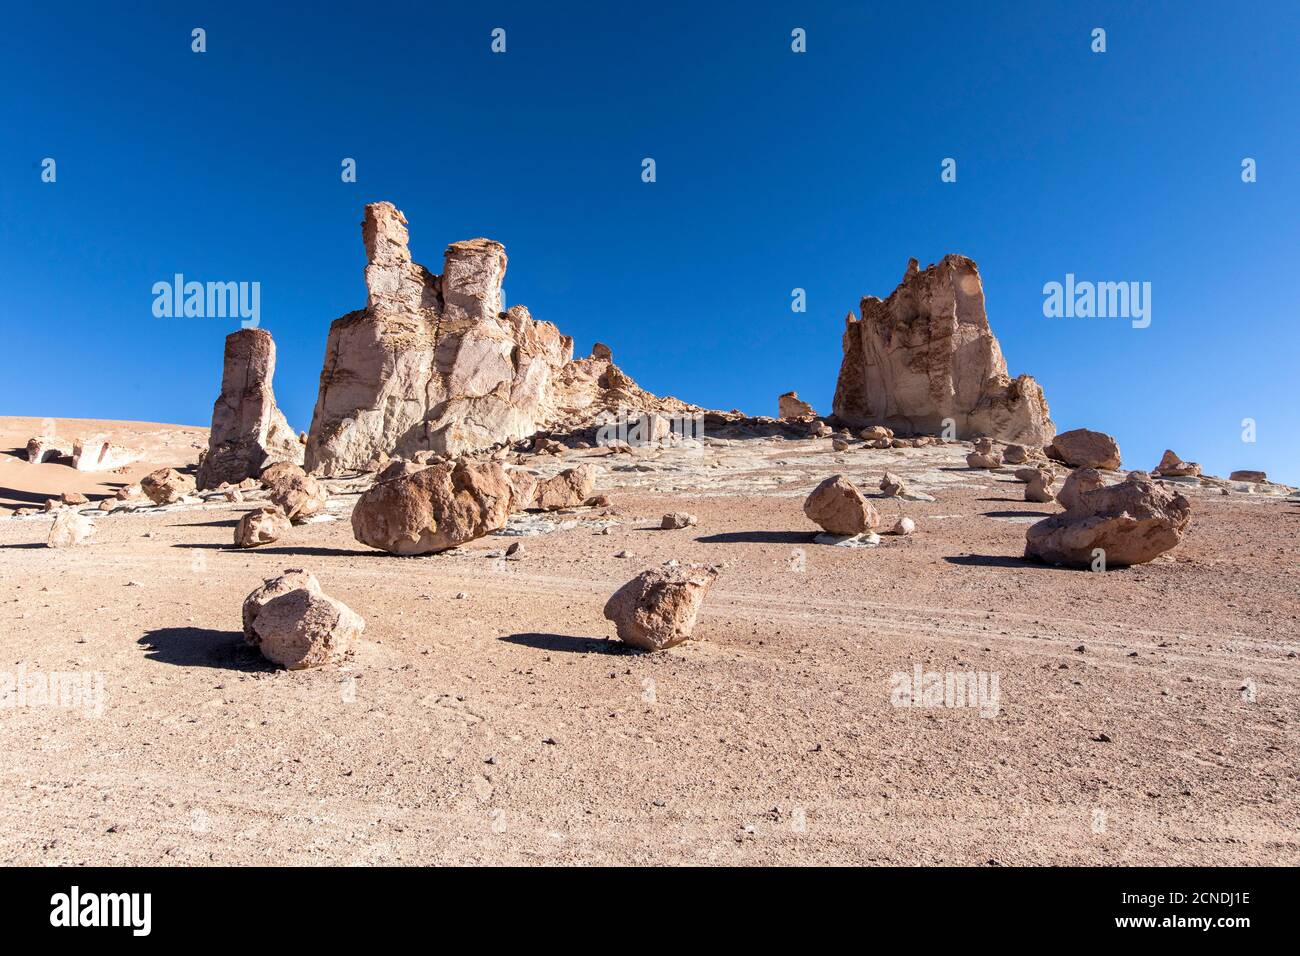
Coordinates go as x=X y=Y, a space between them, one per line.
x=203 y=647
x=759 y=537
x=568 y=644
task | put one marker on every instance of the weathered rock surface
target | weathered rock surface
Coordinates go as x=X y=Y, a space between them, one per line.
x=262 y=526
x=927 y=354
x=299 y=496
x=569 y=489
x=985 y=455
x=838 y=507
x=658 y=607
x=876 y=433
x=675 y=520
x=790 y=405
x=1085 y=448
x=100 y=454
x=1014 y=454
x=1171 y=466
x=433 y=509
x=166 y=486
x=69 y=529
x=892 y=485
x=523 y=486
x=436 y=362
x=1130 y=522
x=248 y=431
x=296 y=625
x=1040 y=486
x=1255 y=477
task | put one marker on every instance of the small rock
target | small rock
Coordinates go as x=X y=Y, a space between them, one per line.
x=677 y=519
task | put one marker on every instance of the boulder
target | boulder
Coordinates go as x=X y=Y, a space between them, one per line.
x=675 y=520
x=790 y=405
x=569 y=489
x=299 y=496
x=1254 y=477
x=69 y=529
x=658 y=607
x=874 y=433
x=839 y=444
x=294 y=624
x=926 y=357
x=437 y=362
x=166 y=486
x=262 y=526
x=1171 y=466
x=1039 y=487
x=433 y=509
x=903 y=526
x=985 y=455
x=129 y=492
x=1085 y=448
x=248 y=430
x=838 y=507
x=47 y=448
x=100 y=454
x=1076 y=484
x=278 y=471
x=1014 y=454
x=523 y=488
x=1130 y=522
x=74 y=498
x=892 y=485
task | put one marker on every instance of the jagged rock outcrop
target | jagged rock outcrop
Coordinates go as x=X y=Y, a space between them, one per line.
x=248 y=431
x=790 y=405
x=436 y=362
x=926 y=354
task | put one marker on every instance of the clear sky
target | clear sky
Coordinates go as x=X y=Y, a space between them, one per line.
x=775 y=170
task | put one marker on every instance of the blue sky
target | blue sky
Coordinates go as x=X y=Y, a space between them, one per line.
x=775 y=170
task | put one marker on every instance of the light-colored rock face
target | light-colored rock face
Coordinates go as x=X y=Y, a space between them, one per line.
x=434 y=363
x=47 y=448
x=262 y=526
x=892 y=486
x=434 y=509
x=1171 y=466
x=1128 y=523
x=838 y=507
x=523 y=489
x=569 y=489
x=790 y=405
x=166 y=486
x=1085 y=448
x=658 y=607
x=1040 y=486
x=69 y=529
x=294 y=624
x=99 y=454
x=927 y=354
x=298 y=496
x=248 y=431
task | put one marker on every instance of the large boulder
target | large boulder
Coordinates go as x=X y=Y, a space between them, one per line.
x=261 y=526
x=523 y=486
x=248 y=431
x=569 y=489
x=926 y=357
x=296 y=625
x=1171 y=466
x=70 y=528
x=984 y=455
x=790 y=405
x=838 y=507
x=434 y=509
x=436 y=362
x=99 y=454
x=1085 y=448
x=299 y=496
x=1130 y=523
x=166 y=486
x=658 y=607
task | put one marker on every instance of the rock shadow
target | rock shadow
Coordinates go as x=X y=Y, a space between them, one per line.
x=203 y=647
x=568 y=644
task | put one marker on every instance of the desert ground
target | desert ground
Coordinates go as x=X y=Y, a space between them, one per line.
x=1146 y=715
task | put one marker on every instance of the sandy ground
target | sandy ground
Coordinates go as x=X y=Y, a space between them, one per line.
x=1144 y=716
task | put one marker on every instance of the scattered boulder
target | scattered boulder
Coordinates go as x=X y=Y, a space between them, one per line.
x=821 y=430
x=1085 y=448
x=261 y=526
x=839 y=444
x=838 y=507
x=277 y=471
x=1078 y=483
x=74 y=498
x=658 y=607
x=677 y=519
x=875 y=433
x=69 y=529
x=166 y=486
x=1130 y=522
x=903 y=526
x=100 y=454
x=893 y=485
x=927 y=355
x=299 y=496
x=1014 y=454
x=129 y=492
x=523 y=486
x=1039 y=487
x=294 y=624
x=790 y=405
x=47 y=448
x=433 y=509
x=1254 y=477
x=569 y=489
x=985 y=455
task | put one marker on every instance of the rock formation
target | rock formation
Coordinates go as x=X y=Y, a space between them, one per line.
x=1128 y=523
x=433 y=509
x=838 y=507
x=658 y=608
x=984 y=455
x=166 y=486
x=248 y=431
x=47 y=448
x=1085 y=448
x=296 y=625
x=100 y=454
x=926 y=354
x=790 y=405
x=299 y=496
x=436 y=362
x=69 y=529
x=262 y=526
x=569 y=489
x=1171 y=466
